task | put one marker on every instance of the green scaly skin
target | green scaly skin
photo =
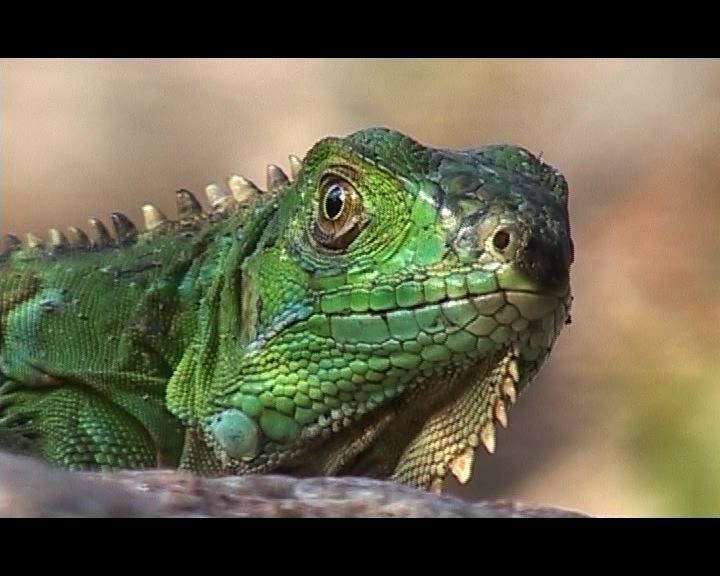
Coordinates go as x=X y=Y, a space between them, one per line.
x=375 y=316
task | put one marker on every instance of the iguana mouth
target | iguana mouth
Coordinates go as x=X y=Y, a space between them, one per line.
x=476 y=323
x=469 y=301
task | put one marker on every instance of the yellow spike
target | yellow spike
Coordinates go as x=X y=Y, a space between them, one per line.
x=100 y=231
x=276 y=178
x=487 y=435
x=154 y=218
x=508 y=389
x=34 y=241
x=295 y=165
x=513 y=370
x=219 y=198
x=81 y=239
x=461 y=467
x=501 y=413
x=188 y=206
x=243 y=190
x=57 y=239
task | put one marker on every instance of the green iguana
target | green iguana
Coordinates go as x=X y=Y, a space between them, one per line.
x=374 y=316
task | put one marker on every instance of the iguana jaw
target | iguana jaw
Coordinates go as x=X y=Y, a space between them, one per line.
x=480 y=397
x=454 y=409
x=489 y=355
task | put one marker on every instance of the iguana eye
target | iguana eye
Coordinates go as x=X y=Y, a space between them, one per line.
x=339 y=215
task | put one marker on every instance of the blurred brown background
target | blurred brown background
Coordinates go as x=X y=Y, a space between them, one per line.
x=625 y=418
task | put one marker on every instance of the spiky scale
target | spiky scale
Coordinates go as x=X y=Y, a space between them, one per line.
x=514 y=371
x=153 y=217
x=295 y=166
x=101 y=235
x=10 y=243
x=57 y=239
x=487 y=436
x=80 y=239
x=125 y=230
x=243 y=190
x=276 y=178
x=220 y=199
x=188 y=206
x=508 y=389
x=501 y=413
x=461 y=466
x=34 y=241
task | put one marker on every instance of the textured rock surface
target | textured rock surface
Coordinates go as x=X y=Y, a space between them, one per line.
x=30 y=488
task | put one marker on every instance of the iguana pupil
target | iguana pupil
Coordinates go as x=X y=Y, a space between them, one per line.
x=334 y=199
x=376 y=315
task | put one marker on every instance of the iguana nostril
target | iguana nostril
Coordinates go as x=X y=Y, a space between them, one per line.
x=501 y=239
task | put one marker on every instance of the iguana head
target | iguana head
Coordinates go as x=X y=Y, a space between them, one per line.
x=399 y=298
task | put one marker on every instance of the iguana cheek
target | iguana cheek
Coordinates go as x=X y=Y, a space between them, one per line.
x=239 y=436
x=236 y=434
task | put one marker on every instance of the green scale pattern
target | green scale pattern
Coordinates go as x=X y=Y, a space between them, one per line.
x=374 y=316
